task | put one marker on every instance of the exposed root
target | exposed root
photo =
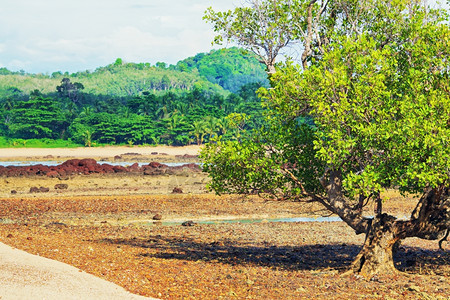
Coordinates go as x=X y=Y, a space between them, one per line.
x=444 y=239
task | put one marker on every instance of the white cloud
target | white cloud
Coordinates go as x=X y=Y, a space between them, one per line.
x=75 y=35
x=65 y=35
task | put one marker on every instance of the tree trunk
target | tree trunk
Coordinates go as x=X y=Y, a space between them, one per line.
x=376 y=256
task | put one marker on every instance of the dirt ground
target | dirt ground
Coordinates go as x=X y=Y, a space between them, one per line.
x=105 y=226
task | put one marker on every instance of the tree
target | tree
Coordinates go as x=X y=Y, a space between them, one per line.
x=367 y=110
x=265 y=27
x=38 y=117
x=70 y=90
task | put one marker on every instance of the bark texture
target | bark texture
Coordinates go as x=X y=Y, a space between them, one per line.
x=376 y=256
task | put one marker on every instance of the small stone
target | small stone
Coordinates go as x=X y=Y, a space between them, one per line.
x=157 y=217
x=44 y=189
x=9 y=236
x=413 y=288
x=188 y=223
x=61 y=186
x=34 y=189
x=13 y=192
x=177 y=190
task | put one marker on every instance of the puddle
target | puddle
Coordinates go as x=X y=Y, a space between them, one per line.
x=250 y=221
x=247 y=221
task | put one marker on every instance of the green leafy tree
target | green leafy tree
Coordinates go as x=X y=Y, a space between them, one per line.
x=367 y=109
x=264 y=27
x=38 y=117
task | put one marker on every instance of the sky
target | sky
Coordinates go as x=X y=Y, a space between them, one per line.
x=45 y=36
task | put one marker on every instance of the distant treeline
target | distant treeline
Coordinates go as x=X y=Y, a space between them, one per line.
x=219 y=71
x=175 y=119
x=126 y=103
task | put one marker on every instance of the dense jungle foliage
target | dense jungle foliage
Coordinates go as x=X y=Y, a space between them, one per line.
x=204 y=96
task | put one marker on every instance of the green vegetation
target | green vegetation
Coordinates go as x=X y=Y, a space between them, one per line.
x=230 y=68
x=134 y=104
x=366 y=110
x=219 y=71
x=36 y=143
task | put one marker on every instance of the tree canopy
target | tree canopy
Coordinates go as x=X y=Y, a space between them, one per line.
x=128 y=103
x=366 y=109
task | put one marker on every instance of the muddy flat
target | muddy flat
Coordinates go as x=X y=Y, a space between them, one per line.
x=128 y=230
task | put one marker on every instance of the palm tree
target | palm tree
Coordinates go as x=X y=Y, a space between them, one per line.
x=210 y=126
x=198 y=130
x=87 y=111
x=87 y=137
x=222 y=126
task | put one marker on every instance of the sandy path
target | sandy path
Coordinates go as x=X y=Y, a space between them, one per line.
x=27 y=276
x=96 y=152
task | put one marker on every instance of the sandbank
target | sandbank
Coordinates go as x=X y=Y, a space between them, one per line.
x=94 y=152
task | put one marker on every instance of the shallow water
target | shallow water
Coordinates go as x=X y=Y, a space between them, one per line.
x=250 y=221
x=52 y=163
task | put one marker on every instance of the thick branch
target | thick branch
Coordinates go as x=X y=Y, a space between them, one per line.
x=309 y=35
x=431 y=217
x=338 y=204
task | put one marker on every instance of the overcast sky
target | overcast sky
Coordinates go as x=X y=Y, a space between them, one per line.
x=76 y=35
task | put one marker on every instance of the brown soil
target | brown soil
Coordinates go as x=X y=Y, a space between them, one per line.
x=104 y=225
x=114 y=237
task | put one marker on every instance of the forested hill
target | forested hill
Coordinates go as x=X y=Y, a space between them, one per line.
x=200 y=98
x=230 y=68
x=219 y=71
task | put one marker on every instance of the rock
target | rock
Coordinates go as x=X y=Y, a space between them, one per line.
x=177 y=190
x=57 y=224
x=9 y=236
x=61 y=186
x=413 y=288
x=44 y=189
x=188 y=223
x=13 y=192
x=34 y=189
x=52 y=174
x=155 y=164
x=157 y=217
x=134 y=168
x=120 y=169
x=117 y=157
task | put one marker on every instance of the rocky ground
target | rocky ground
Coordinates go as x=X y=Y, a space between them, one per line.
x=116 y=238
x=127 y=228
